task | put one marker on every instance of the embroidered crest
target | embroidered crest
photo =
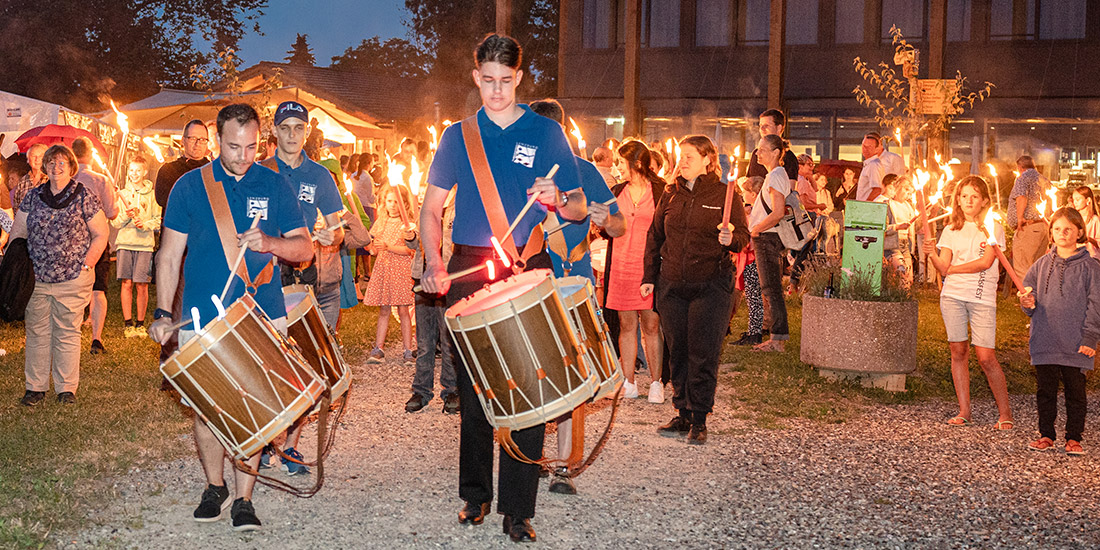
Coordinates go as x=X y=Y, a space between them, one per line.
x=524 y=154
x=306 y=192
x=257 y=206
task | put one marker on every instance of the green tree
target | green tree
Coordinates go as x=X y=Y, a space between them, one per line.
x=450 y=29
x=300 y=52
x=394 y=57
x=78 y=53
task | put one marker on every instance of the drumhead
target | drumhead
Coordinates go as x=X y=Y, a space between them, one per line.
x=293 y=295
x=500 y=292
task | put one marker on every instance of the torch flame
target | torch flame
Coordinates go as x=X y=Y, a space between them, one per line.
x=1053 y=194
x=576 y=132
x=122 y=119
x=395 y=173
x=1041 y=206
x=677 y=153
x=897 y=135
x=991 y=218
x=447 y=123
x=992 y=170
x=414 y=178
x=737 y=152
x=921 y=179
x=668 y=148
x=99 y=160
x=148 y=141
x=435 y=137
x=938 y=158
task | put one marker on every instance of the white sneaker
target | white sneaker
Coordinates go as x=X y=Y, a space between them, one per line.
x=656 y=392
x=630 y=391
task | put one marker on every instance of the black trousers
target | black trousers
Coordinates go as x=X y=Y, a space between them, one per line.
x=1046 y=399
x=518 y=483
x=694 y=317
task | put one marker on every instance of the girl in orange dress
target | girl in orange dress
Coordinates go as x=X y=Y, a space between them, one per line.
x=391 y=282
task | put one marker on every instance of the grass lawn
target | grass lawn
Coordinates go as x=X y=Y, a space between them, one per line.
x=54 y=459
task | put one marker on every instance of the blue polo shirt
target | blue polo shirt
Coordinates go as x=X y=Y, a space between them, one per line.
x=595 y=190
x=315 y=188
x=518 y=154
x=261 y=192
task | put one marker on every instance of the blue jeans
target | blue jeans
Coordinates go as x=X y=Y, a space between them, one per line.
x=769 y=262
x=328 y=297
x=431 y=330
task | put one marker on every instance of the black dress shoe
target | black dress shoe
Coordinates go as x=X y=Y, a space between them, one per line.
x=519 y=530
x=749 y=339
x=698 y=434
x=474 y=514
x=676 y=427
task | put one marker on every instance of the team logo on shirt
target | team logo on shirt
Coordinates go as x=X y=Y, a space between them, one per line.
x=524 y=154
x=257 y=206
x=306 y=192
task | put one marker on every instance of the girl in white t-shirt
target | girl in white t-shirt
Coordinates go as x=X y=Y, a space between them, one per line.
x=969 y=296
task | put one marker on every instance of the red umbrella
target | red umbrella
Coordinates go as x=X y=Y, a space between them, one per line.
x=51 y=134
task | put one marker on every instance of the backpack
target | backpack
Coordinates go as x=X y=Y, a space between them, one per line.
x=795 y=227
x=16 y=281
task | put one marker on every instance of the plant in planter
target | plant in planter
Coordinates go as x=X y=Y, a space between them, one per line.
x=858 y=333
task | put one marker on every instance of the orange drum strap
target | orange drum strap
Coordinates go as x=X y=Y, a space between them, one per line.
x=576 y=454
x=223 y=218
x=490 y=197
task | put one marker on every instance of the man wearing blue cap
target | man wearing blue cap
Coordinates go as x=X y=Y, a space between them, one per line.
x=317 y=192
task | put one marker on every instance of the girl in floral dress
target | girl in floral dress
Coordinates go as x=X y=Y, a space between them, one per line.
x=391 y=282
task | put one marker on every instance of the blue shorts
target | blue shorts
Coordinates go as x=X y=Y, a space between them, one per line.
x=981 y=318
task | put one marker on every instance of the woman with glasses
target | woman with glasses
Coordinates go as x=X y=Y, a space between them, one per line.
x=66 y=232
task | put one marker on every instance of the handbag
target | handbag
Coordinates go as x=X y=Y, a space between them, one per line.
x=795 y=227
x=16 y=281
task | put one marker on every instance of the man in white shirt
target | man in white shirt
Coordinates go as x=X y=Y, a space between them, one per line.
x=870 y=178
x=604 y=159
x=892 y=163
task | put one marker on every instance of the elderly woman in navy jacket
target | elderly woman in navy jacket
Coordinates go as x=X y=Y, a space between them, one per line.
x=688 y=262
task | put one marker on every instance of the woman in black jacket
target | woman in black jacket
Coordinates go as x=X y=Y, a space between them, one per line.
x=688 y=261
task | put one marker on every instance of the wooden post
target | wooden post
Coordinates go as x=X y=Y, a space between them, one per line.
x=937 y=47
x=776 y=45
x=632 y=74
x=564 y=26
x=504 y=17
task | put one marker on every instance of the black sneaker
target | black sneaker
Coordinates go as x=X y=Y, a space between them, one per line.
x=415 y=403
x=676 y=427
x=66 y=397
x=213 y=503
x=97 y=347
x=244 y=516
x=451 y=404
x=749 y=339
x=32 y=398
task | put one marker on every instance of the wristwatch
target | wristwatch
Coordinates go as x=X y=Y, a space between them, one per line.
x=161 y=313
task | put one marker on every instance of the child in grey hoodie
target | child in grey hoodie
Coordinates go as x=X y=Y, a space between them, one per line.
x=1062 y=297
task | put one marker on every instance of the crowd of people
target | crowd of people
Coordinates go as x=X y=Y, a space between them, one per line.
x=647 y=228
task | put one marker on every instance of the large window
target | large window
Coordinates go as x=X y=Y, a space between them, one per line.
x=661 y=23
x=1007 y=24
x=757 y=15
x=712 y=22
x=958 y=20
x=907 y=15
x=849 y=21
x=597 y=24
x=802 y=22
x=1062 y=19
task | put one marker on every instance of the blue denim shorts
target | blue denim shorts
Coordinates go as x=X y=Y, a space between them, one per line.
x=981 y=318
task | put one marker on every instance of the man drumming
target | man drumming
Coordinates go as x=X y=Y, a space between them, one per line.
x=189 y=223
x=520 y=147
x=317 y=192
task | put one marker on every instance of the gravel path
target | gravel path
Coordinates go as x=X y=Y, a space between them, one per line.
x=894 y=477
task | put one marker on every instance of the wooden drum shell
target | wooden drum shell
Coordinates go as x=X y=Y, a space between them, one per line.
x=592 y=332
x=243 y=379
x=306 y=326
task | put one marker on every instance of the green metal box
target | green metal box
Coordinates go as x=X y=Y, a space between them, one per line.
x=864 y=232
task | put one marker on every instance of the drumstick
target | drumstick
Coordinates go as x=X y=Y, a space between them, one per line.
x=333 y=228
x=459 y=274
x=526 y=207
x=561 y=226
x=240 y=257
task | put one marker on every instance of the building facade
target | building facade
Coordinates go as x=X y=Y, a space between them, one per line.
x=710 y=66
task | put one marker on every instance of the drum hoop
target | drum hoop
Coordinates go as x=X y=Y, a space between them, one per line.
x=300 y=309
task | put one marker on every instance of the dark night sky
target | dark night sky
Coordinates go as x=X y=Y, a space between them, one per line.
x=332 y=26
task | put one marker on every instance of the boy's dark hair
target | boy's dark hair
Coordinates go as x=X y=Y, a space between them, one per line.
x=549 y=108
x=240 y=112
x=776 y=116
x=82 y=147
x=499 y=49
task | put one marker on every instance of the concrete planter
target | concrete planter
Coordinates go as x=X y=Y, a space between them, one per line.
x=875 y=342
